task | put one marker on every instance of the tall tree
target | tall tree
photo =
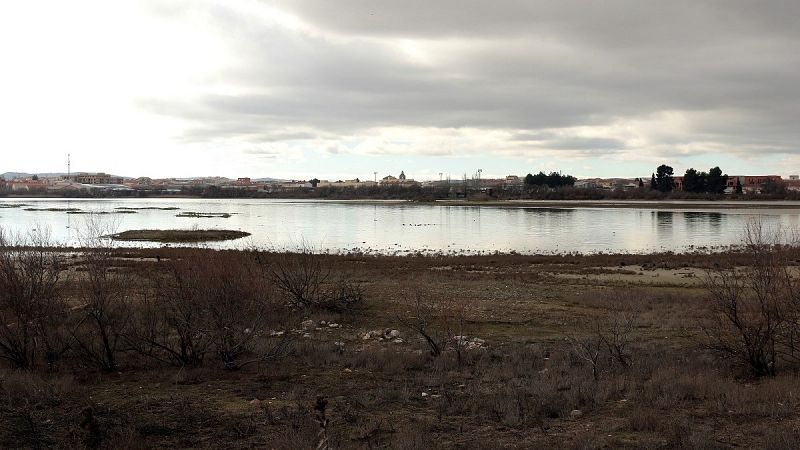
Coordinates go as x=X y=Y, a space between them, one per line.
x=529 y=179
x=653 y=182
x=694 y=181
x=739 y=186
x=716 y=182
x=664 y=180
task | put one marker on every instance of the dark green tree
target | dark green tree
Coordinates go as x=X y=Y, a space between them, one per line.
x=716 y=182
x=653 y=182
x=641 y=183
x=694 y=181
x=529 y=179
x=664 y=180
x=739 y=186
x=314 y=182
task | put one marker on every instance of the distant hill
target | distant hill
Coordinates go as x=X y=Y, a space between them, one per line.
x=15 y=175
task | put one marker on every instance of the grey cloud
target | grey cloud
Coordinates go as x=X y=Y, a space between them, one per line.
x=518 y=65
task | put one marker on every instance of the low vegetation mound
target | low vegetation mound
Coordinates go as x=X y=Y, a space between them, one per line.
x=179 y=235
x=145 y=208
x=198 y=215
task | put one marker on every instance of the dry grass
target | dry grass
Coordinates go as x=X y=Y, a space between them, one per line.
x=524 y=388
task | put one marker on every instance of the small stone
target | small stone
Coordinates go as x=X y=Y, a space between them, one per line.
x=398 y=341
x=576 y=414
x=333 y=325
x=347 y=370
x=306 y=335
x=394 y=334
x=255 y=402
x=307 y=324
x=424 y=394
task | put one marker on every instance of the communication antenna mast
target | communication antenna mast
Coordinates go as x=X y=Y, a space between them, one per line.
x=375 y=174
x=69 y=166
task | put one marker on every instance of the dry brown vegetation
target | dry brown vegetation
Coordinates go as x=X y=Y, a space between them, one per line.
x=238 y=350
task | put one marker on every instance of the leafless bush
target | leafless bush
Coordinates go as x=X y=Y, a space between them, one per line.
x=438 y=322
x=755 y=309
x=170 y=321
x=609 y=342
x=99 y=330
x=240 y=306
x=308 y=280
x=31 y=307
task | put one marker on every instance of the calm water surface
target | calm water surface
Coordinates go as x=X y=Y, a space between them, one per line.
x=403 y=228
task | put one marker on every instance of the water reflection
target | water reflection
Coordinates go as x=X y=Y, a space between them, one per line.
x=389 y=228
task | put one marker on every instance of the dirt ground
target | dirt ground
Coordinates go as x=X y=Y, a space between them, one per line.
x=512 y=381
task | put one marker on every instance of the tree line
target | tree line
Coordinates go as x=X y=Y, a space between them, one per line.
x=711 y=182
x=553 y=180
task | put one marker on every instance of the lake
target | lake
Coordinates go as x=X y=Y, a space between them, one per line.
x=402 y=228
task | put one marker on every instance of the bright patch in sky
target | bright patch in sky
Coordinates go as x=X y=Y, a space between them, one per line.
x=303 y=88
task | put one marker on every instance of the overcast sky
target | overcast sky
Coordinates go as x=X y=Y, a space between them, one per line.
x=342 y=88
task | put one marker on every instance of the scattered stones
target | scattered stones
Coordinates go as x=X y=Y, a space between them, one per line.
x=469 y=344
x=387 y=334
x=307 y=324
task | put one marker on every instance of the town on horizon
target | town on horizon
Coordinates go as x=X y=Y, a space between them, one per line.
x=99 y=181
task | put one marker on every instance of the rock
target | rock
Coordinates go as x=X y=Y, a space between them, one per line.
x=398 y=341
x=333 y=325
x=347 y=370
x=575 y=414
x=322 y=322
x=424 y=394
x=307 y=335
x=307 y=324
x=394 y=334
x=255 y=402
x=478 y=341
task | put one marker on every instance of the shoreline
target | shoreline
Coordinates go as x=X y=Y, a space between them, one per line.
x=522 y=203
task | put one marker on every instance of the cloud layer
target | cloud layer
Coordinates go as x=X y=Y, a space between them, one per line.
x=619 y=80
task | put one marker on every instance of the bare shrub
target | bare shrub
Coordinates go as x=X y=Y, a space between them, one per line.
x=31 y=307
x=439 y=322
x=609 y=342
x=240 y=306
x=210 y=302
x=170 y=321
x=755 y=309
x=100 y=329
x=308 y=280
